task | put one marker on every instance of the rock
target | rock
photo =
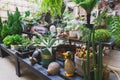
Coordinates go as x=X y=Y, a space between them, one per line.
x=53 y=68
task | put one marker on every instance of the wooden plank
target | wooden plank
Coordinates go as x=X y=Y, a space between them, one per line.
x=41 y=71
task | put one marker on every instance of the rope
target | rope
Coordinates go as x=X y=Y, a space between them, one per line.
x=115 y=71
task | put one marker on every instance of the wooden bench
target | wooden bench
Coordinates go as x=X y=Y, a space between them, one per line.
x=37 y=69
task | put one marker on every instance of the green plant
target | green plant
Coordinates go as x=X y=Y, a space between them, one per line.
x=54 y=6
x=101 y=20
x=85 y=32
x=1 y=25
x=12 y=40
x=114 y=27
x=102 y=35
x=13 y=25
x=86 y=4
x=62 y=25
x=47 y=42
x=26 y=43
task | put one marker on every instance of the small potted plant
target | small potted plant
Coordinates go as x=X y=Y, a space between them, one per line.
x=47 y=49
x=102 y=35
x=14 y=41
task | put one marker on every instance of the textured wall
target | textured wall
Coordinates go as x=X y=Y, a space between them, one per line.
x=10 y=5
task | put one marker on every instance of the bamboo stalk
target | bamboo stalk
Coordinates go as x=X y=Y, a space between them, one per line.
x=84 y=70
x=100 y=62
x=94 y=56
x=88 y=58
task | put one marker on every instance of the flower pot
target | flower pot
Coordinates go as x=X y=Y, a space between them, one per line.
x=78 y=65
x=14 y=47
x=73 y=34
x=47 y=57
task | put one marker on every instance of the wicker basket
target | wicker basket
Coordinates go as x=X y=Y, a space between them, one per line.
x=78 y=64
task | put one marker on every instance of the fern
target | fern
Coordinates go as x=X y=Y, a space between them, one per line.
x=13 y=25
x=114 y=28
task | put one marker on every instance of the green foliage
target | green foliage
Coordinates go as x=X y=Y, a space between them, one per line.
x=114 y=27
x=26 y=43
x=102 y=35
x=85 y=32
x=54 y=6
x=13 y=25
x=0 y=29
x=101 y=20
x=5 y=31
x=47 y=42
x=12 y=40
x=88 y=5
x=62 y=25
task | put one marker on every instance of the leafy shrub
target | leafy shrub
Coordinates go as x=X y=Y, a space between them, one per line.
x=13 y=25
x=12 y=40
x=102 y=35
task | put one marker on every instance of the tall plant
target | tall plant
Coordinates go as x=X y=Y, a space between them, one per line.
x=13 y=25
x=88 y=5
x=54 y=6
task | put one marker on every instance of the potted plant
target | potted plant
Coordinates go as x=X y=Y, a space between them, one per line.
x=25 y=45
x=47 y=49
x=102 y=35
x=13 y=41
x=13 y=24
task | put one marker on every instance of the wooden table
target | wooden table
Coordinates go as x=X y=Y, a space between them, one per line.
x=36 y=69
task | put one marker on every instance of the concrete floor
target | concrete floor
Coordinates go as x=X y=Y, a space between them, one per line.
x=7 y=70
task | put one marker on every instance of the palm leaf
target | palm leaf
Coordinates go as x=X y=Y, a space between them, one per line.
x=88 y=5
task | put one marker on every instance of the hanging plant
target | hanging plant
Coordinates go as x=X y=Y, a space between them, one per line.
x=54 y=6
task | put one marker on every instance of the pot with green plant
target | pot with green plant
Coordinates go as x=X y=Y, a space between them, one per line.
x=102 y=35
x=13 y=41
x=47 y=49
x=13 y=24
x=25 y=45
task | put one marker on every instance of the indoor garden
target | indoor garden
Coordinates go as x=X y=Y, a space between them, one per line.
x=60 y=40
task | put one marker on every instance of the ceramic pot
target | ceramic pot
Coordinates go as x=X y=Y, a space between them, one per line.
x=47 y=57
